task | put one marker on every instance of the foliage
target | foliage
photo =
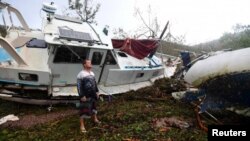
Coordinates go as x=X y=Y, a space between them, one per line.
x=85 y=9
x=240 y=38
x=3 y=31
x=127 y=117
x=172 y=48
x=119 y=33
x=150 y=29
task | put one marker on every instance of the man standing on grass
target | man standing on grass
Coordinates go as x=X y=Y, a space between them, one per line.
x=88 y=93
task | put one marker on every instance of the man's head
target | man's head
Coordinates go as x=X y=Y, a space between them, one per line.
x=87 y=64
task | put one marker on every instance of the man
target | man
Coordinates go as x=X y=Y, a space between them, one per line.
x=88 y=93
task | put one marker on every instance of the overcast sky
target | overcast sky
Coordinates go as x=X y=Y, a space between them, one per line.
x=198 y=20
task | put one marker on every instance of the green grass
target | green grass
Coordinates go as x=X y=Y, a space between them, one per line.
x=121 y=119
x=127 y=116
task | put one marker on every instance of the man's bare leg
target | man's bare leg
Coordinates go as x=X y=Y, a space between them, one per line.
x=82 y=127
x=95 y=119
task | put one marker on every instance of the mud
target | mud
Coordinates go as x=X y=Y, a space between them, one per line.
x=31 y=120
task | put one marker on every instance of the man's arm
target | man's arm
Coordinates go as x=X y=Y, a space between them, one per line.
x=80 y=88
x=97 y=91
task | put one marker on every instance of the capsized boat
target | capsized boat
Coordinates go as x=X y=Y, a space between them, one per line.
x=229 y=63
x=49 y=60
x=224 y=77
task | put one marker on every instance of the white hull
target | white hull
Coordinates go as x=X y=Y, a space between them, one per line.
x=227 y=63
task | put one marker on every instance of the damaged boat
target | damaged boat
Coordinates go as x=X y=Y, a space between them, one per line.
x=49 y=60
x=224 y=77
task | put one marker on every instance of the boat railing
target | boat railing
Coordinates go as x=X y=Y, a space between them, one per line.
x=12 y=52
x=17 y=13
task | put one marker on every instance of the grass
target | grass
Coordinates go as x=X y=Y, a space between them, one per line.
x=127 y=117
x=120 y=121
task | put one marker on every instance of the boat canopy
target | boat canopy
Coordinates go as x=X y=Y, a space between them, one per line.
x=136 y=48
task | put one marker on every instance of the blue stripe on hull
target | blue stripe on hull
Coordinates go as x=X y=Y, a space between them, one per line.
x=13 y=82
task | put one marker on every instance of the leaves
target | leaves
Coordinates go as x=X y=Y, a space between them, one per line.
x=127 y=117
x=131 y=139
x=86 y=10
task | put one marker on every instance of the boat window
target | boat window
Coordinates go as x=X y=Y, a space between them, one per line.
x=97 y=58
x=28 y=77
x=70 y=54
x=122 y=54
x=139 y=75
x=110 y=60
x=36 y=43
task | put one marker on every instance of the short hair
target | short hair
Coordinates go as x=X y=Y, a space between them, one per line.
x=84 y=61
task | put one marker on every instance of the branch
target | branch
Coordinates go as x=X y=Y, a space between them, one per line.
x=142 y=34
x=137 y=11
x=92 y=16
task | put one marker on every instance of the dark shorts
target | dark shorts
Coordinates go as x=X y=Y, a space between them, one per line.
x=88 y=112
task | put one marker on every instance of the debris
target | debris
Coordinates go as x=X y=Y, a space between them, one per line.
x=182 y=94
x=179 y=95
x=10 y=117
x=131 y=139
x=168 y=86
x=169 y=139
x=169 y=122
x=28 y=121
x=245 y=111
x=164 y=129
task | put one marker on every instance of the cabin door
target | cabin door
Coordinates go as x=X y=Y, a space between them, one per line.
x=97 y=58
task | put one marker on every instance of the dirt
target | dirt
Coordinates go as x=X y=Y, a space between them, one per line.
x=125 y=117
x=31 y=120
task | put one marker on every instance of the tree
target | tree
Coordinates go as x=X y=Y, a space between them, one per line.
x=120 y=34
x=85 y=9
x=239 y=28
x=150 y=28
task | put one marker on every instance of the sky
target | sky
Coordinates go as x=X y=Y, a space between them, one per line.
x=198 y=20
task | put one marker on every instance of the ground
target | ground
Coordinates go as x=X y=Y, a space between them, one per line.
x=129 y=117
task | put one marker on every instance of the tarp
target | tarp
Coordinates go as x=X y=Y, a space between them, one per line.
x=136 y=48
x=185 y=56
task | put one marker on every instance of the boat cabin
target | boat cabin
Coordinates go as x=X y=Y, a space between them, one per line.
x=51 y=58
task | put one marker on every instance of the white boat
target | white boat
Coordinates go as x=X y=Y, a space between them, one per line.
x=49 y=60
x=224 y=77
x=218 y=65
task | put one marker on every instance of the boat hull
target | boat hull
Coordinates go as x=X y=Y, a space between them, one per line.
x=224 y=78
x=224 y=64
